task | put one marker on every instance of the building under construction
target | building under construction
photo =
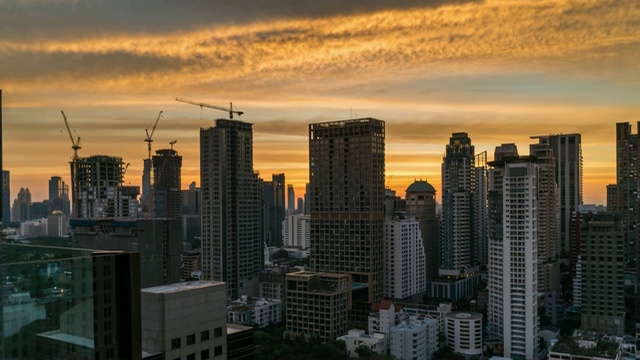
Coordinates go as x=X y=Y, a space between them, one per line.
x=167 y=193
x=98 y=191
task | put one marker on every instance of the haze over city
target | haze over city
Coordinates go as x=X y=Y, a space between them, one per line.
x=499 y=70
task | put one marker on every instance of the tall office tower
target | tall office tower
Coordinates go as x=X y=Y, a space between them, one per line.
x=458 y=265
x=548 y=217
x=575 y=242
x=191 y=222
x=480 y=231
x=300 y=207
x=231 y=208
x=22 y=206
x=513 y=253
x=602 y=254
x=612 y=197
x=291 y=198
x=98 y=191
x=273 y=195
x=567 y=153
x=167 y=185
x=421 y=205
x=6 y=197
x=404 y=260
x=346 y=173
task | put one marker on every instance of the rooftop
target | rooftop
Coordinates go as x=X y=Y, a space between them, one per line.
x=181 y=286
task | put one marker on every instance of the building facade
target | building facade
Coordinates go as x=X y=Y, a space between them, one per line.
x=274 y=208
x=464 y=333
x=602 y=273
x=404 y=259
x=317 y=305
x=346 y=172
x=232 y=229
x=513 y=252
x=296 y=231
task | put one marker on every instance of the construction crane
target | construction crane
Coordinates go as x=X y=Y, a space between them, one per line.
x=149 y=138
x=172 y=143
x=229 y=110
x=75 y=144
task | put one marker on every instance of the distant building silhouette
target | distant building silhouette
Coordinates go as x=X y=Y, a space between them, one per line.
x=6 y=199
x=421 y=204
x=21 y=210
x=291 y=198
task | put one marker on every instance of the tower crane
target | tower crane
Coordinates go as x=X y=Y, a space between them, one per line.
x=149 y=138
x=201 y=104
x=75 y=144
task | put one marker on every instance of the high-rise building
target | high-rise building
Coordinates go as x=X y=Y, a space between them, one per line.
x=567 y=153
x=458 y=263
x=300 y=208
x=296 y=231
x=307 y=206
x=346 y=172
x=191 y=206
x=602 y=273
x=421 y=205
x=6 y=198
x=21 y=210
x=612 y=197
x=98 y=191
x=404 y=260
x=513 y=252
x=232 y=229
x=548 y=220
x=291 y=198
x=273 y=195
x=167 y=191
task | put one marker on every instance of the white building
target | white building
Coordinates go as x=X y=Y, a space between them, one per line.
x=356 y=338
x=464 y=333
x=254 y=311
x=185 y=320
x=408 y=342
x=383 y=317
x=296 y=232
x=513 y=253
x=57 y=224
x=404 y=259
x=33 y=228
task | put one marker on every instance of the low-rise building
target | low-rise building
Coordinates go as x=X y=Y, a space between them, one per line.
x=356 y=338
x=464 y=332
x=260 y=312
x=185 y=320
x=408 y=342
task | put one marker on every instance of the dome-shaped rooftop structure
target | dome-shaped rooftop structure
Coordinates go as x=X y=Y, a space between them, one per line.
x=421 y=186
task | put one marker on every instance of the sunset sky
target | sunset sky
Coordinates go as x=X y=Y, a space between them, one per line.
x=500 y=70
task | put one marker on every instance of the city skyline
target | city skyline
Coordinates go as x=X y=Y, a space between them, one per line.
x=501 y=71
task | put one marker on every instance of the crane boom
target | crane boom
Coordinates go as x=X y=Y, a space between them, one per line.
x=201 y=104
x=75 y=145
x=149 y=138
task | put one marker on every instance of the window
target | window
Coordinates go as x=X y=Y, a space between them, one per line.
x=217 y=351
x=204 y=354
x=175 y=343
x=217 y=332
x=191 y=339
x=204 y=336
x=191 y=357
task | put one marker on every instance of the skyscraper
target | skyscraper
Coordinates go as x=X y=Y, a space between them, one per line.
x=167 y=187
x=480 y=236
x=513 y=252
x=567 y=154
x=346 y=172
x=291 y=198
x=458 y=263
x=231 y=208
x=58 y=195
x=421 y=205
x=21 y=210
